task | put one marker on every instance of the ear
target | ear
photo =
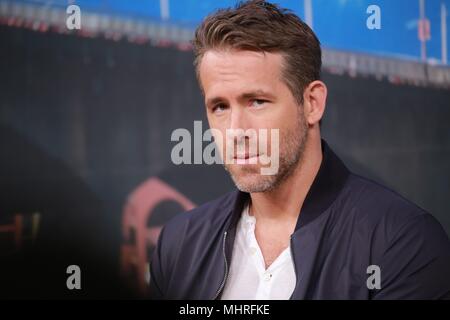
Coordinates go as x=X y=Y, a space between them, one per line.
x=315 y=98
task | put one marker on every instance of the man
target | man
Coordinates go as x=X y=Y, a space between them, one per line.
x=312 y=230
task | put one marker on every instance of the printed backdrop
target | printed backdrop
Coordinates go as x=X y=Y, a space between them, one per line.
x=85 y=171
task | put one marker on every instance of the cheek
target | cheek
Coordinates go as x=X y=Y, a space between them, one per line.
x=219 y=138
x=218 y=125
x=286 y=122
x=282 y=118
x=216 y=122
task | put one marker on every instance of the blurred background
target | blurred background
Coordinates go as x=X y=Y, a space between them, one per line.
x=86 y=116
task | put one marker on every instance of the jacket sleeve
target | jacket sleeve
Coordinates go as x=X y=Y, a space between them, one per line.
x=156 y=291
x=416 y=262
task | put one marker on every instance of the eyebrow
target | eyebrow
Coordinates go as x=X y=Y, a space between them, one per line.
x=243 y=96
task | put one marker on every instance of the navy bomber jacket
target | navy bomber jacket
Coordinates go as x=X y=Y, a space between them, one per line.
x=346 y=224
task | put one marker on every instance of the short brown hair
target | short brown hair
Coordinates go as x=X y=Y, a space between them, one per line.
x=258 y=25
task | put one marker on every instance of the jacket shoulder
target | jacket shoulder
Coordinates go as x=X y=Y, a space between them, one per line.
x=378 y=201
x=212 y=212
x=180 y=238
x=383 y=213
x=202 y=222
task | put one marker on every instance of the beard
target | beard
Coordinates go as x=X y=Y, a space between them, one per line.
x=248 y=178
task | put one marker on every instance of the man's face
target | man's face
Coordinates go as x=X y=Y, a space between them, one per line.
x=244 y=90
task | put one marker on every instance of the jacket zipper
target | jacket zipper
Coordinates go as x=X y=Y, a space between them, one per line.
x=226 y=268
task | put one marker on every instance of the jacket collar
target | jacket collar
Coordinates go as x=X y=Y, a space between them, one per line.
x=326 y=186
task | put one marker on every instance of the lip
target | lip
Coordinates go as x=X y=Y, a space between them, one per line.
x=245 y=156
x=246 y=159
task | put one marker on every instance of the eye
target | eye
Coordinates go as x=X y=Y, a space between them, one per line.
x=219 y=108
x=257 y=103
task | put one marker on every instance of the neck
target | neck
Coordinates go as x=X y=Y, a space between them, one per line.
x=283 y=204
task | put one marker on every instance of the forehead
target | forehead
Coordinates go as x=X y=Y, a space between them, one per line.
x=243 y=69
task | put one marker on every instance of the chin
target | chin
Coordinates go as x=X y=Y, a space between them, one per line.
x=253 y=183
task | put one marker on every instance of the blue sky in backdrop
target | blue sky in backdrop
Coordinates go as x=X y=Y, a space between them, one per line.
x=339 y=24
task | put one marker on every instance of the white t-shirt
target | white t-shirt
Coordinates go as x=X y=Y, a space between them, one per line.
x=248 y=278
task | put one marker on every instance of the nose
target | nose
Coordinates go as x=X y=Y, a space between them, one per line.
x=237 y=118
x=238 y=123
